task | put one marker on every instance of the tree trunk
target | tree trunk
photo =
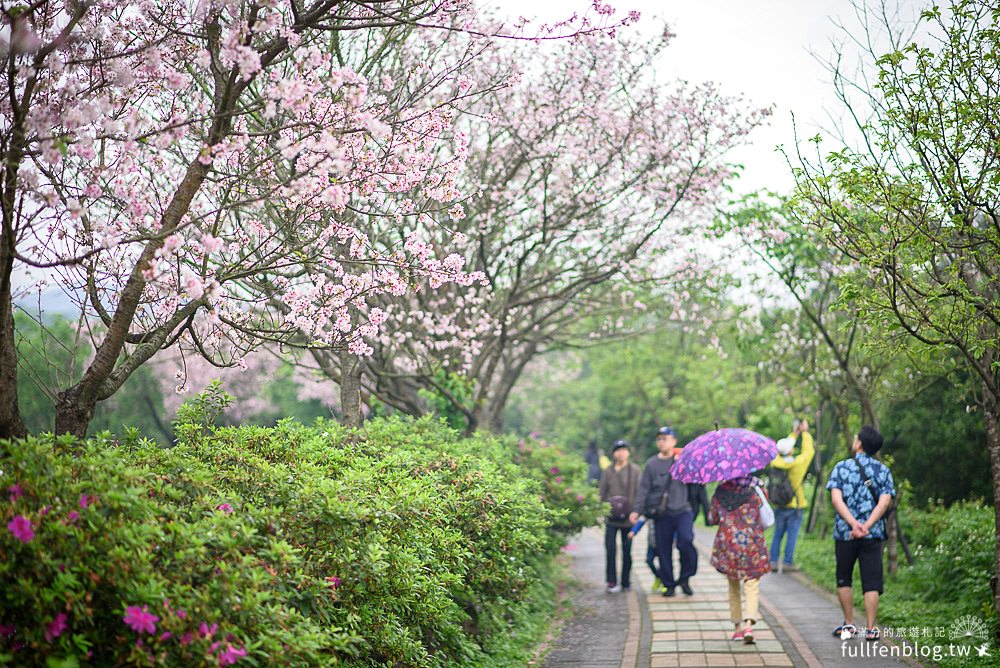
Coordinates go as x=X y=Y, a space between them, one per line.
x=991 y=408
x=867 y=410
x=891 y=545
x=350 y=389
x=74 y=412
x=11 y=424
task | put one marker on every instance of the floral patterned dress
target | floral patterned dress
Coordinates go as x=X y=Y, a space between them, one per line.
x=740 y=550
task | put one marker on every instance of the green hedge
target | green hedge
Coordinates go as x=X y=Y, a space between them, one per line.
x=953 y=547
x=403 y=546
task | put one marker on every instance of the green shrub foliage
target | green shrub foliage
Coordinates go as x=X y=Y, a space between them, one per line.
x=406 y=545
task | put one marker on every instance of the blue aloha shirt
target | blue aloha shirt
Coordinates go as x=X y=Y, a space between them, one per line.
x=847 y=478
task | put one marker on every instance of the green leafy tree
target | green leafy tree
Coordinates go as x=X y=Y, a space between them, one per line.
x=917 y=205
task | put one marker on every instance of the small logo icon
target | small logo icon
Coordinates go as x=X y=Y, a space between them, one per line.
x=970 y=627
x=845 y=634
x=983 y=650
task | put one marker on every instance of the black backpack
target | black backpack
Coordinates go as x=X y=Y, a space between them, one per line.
x=779 y=488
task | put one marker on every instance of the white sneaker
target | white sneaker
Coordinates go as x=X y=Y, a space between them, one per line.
x=614 y=589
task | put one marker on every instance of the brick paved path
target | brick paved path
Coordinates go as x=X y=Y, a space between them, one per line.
x=695 y=630
x=639 y=629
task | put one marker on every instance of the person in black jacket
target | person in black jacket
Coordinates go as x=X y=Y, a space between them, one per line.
x=593 y=458
x=698 y=498
x=665 y=500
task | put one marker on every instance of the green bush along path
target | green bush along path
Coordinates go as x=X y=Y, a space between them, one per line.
x=296 y=545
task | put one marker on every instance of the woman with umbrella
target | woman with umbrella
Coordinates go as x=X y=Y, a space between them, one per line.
x=739 y=551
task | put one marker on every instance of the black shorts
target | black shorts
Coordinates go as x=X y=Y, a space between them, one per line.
x=868 y=553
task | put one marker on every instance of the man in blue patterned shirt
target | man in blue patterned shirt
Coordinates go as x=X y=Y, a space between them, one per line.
x=861 y=500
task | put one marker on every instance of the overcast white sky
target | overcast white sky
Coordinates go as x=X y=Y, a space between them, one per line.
x=760 y=48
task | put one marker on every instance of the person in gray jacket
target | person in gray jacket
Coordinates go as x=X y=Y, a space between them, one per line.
x=618 y=488
x=665 y=500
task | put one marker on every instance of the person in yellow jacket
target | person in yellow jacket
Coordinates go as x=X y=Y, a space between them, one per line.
x=788 y=518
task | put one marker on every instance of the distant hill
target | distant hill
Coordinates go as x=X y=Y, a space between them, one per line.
x=53 y=302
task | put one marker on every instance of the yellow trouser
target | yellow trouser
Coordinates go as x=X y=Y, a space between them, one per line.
x=751 y=588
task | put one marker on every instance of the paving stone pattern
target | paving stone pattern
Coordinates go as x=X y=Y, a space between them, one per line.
x=640 y=629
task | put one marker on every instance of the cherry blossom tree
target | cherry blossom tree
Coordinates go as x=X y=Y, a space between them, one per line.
x=160 y=160
x=828 y=342
x=593 y=179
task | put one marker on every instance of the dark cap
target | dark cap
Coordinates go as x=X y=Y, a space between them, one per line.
x=666 y=431
x=619 y=445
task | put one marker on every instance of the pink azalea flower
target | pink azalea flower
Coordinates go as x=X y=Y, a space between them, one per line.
x=334 y=581
x=558 y=479
x=206 y=631
x=85 y=500
x=187 y=638
x=140 y=619
x=165 y=635
x=181 y=614
x=45 y=511
x=554 y=470
x=579 y=497
x=15 y=492
x=55 y=628
x=224 y=507
x=231 y=655
x=73 y=516
x=7 y=630
x=21 y=527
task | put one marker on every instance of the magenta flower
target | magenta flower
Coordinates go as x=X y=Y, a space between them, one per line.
x=224 y=507
x=579 y=497
x=21 y=527
x=334 y=581
x=7 y=630
x=231 y=655
x=165 y=635
x=73 y=516
x=181 y=614
x=55 y=628
x=15 y=492
x=554 y=470
x=558 y=479
x=85 y=500
x=187 y=638
x=45 y=511
x=206 y=631
x=140 y=619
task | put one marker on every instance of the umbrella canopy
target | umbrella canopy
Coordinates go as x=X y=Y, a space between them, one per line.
x=723 y=454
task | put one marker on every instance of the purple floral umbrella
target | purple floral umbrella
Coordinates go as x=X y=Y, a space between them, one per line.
x=723 y=454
